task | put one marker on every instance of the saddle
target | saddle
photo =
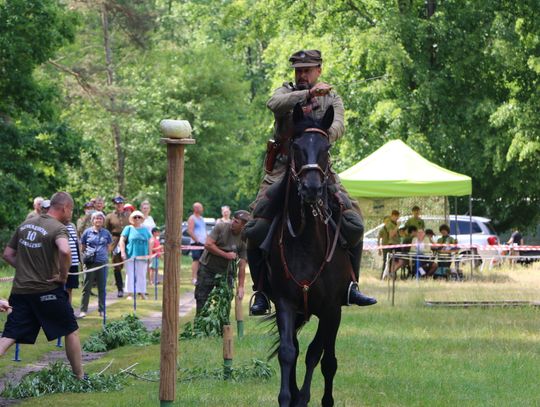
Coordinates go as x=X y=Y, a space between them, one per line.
x=266 y=215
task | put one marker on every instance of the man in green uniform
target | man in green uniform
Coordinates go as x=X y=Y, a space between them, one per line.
x=85 y=221
x=390 y=235
x=223 y=245
x=39 y=251
x=315 y=97
x=115 y=223
x=415 y=219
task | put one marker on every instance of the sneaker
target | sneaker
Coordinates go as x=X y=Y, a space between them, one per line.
x=120 y=294
x=81 y=315
x=129 y=297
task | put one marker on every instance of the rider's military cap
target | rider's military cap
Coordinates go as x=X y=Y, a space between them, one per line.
x=306 y=58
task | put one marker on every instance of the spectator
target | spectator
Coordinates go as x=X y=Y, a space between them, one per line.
x=45 y=205
x=73 y=279
x=516 y=239
x=406 y=237
x=85 y=221
x=148 y=220
x=445 y=252
x=225 y=215
x=383 y=235
x=129 y=209
x=37 y=208
x=99 y=204
x=421 y=247
x=115 y=223
x=430 y=235
x=96 y=243
x=135 y=243
x=157 y=250
x=223 y=245
x=39 y=252
x=391 y=237
x=197 y=233
x=415 y=219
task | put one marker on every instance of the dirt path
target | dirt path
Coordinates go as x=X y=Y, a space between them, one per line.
x=153 y=321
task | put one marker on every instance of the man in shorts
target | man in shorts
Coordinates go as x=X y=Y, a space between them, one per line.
x=39 y=252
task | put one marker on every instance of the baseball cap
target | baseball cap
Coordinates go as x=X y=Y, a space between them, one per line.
x=242 y=215
x=119 y=199
x=45 y=204
x=129 y=207
x=89 y=204
x=306 y=58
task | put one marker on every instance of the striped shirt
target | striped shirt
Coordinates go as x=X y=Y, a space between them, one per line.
x=73 y=243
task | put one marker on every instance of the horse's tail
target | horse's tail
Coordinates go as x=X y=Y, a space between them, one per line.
x=273 y=330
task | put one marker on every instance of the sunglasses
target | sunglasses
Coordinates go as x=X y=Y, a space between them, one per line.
x=137 y=217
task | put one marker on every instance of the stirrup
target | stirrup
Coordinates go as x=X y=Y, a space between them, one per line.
x=252 y=300
x=351 y=285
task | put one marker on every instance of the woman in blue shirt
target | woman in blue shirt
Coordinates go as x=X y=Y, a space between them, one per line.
x=96 y=243
x=135 y=243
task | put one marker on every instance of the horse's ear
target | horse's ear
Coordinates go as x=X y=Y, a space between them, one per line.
x=298 y=113
x=328 y=118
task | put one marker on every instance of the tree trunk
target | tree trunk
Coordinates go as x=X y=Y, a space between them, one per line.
x=115 y=128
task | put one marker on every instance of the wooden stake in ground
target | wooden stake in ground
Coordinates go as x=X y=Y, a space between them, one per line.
x=177 y=133
x=228 y=349
x=239 y=313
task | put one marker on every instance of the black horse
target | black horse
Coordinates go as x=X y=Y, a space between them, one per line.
x=309 y=271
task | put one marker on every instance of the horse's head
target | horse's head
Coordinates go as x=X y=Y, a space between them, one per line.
x=309 y=152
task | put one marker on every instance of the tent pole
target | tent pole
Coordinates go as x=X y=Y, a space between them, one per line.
x=470 y=232
x=446 y=219
x=455 y=219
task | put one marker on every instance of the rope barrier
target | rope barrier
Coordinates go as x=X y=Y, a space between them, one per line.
x=457 y=246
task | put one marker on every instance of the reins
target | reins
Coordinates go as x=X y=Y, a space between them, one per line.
x=305 y=285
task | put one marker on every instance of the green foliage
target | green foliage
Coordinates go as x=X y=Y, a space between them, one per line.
x=257 y=369
x=127 y=331
x=39 y=149
x=58 y=378
x=215 y=313
x=460 y=86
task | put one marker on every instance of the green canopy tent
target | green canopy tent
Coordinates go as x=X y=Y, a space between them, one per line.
x=396 y=170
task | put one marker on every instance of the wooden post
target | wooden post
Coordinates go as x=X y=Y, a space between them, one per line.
x=171 y=272
x=228 y=350
x=239 y=313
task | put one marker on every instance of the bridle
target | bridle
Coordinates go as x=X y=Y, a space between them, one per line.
x=306 y=167
x=319 y=209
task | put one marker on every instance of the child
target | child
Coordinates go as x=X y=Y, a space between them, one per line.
x=156 y=249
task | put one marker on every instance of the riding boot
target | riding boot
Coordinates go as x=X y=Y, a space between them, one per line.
x=354 y=295
x=257 y=268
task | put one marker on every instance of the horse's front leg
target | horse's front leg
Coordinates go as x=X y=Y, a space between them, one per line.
x=313 y=356
x=285 y=315
x=329 y=361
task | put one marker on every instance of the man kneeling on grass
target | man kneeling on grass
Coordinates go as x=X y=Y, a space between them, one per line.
x=39 y=251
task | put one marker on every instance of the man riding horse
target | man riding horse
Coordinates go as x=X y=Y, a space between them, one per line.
x=314 y=97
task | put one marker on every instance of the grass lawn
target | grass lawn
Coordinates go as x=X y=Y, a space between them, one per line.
x=407 y=355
